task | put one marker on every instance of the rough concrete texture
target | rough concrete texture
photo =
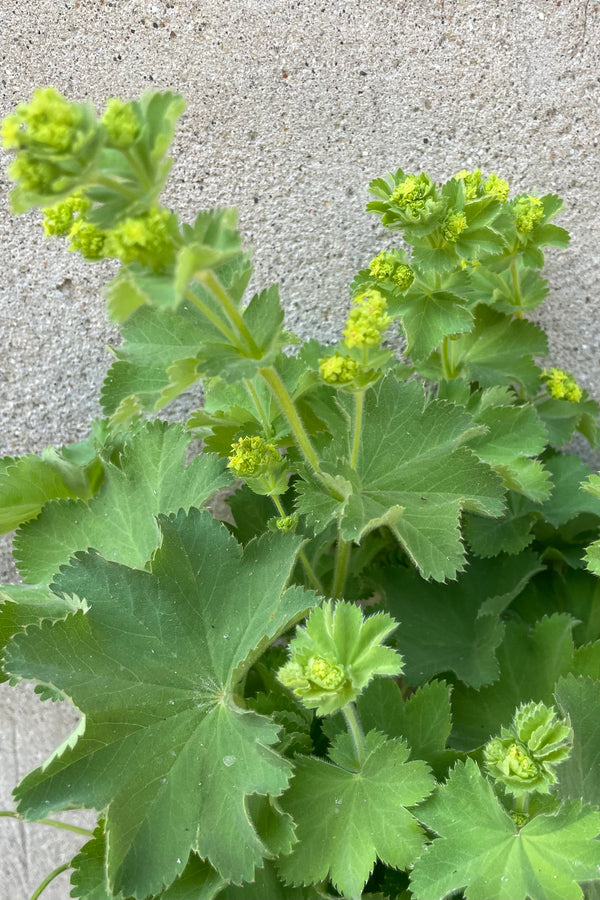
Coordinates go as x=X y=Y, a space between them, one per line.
x=293 y=107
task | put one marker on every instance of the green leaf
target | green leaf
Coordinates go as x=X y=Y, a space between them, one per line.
x=267 y=884
x=411 y=475
x=567 y=499
x=428 y=317
x=454 y=627
x=510 y=533
x=514 y=433
x=198 y=881
x=347 y=816
x=563 y=417
x=482 y=851
x=579 y=698
x=531 y=661
x=163 y=729
x=424 y=720
x=23 y=604
x=500 y=350
x=28 y=482
x=119 y=521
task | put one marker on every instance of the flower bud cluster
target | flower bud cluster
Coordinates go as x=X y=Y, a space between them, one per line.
x=528 y=212
x=453 y=226
x=145 y=239
x=121 y=123
x=59 y=219
x=336 y=654
x=476 y=185
x=48 y=123
x=562 y=385
x=523 y=758
x=338 y=369
x=368 y=320
x=252 y=456
x=415 y=195
x=385 y=267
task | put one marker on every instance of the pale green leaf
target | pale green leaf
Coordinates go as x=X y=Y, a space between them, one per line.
x=153 y=665
x=481 y=850
x=347 y=816
x=579 y=698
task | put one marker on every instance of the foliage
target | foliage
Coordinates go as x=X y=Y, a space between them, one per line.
x=379 y=675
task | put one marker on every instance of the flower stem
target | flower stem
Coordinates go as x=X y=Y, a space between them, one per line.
x=212 y=283
x=301 y=555
x=447 y=358
x=271 y=376
x=14 y=815
x=355 y=731
x=359 y=402
x=342 y=561
x=259 y=407
x=113 y=185
x=212 y=317
x=48 y=879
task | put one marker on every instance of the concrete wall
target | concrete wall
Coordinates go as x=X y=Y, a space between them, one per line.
x=293 y=107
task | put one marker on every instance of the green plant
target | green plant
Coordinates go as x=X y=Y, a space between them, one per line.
x=432 y=727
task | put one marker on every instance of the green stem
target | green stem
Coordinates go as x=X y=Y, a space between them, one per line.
x=359 y=402
x=259 y=407
x=212 y=317
x=447 y=361
x=522 y=804
x=138 y=167
x=113 y=185
x=48 y=879
x=301 y=555
x=271 y=376
x=516 y=288
x=14 y=815
x=355 y=731
x=212 y=283
x=342 y=561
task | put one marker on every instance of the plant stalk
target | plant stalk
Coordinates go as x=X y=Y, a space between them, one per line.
x=75 y=828
x=355 y=731
x=212 y=283
x=54 y=874
x=271 y=376
x=212 y=317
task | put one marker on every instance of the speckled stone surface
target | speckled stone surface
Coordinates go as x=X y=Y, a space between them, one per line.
x=293 y=107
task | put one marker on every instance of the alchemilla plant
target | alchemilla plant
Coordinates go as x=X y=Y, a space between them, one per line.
x=380 y=676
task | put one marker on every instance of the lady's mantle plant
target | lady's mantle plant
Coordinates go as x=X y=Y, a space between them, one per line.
x=432 y=727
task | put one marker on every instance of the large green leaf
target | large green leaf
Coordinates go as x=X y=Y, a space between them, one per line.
x=119 y=521
x=427 y=317
x=481 y=850
x=153 y=665
x=348 y=813
x=454 y=627
x=531 y=662
x=411 y=475
x=579 y=698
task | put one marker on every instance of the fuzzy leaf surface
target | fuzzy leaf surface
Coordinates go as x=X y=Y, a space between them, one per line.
x=578 y=775
x=531 y=661
x=454 y=627
x=348 y=814
x=153 y=666
x=119 y=522
x=411 y=475
x=481 y=850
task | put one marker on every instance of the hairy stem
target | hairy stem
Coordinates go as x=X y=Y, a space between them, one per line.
x=447 y=355
x=355 y=731
x=301 y=555
x=212 y=317
x=212 y=283
x=271 y=376
x=359 y=402
x=113 y=185
x=259 y=407
x=342 y=562
x=54 y=874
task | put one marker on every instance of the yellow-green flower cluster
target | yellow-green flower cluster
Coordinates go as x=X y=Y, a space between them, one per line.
x=121 y=123
x=48 y=122
x=453 y=226
x=562 y=385
x=475 y=185
x=338 y=369
x=385 y=267
x=472 y=182
x=528 y=212
x=35 y=174
x=88 y=239
x=523 y=758
x=58 y=219
x=412 y=194
x=284 y=524
x=253 y=456
x=144 y=239
x=497 y=187
x=368 y=320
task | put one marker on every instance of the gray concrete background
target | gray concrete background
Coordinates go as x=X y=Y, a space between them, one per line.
x=293 y=107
